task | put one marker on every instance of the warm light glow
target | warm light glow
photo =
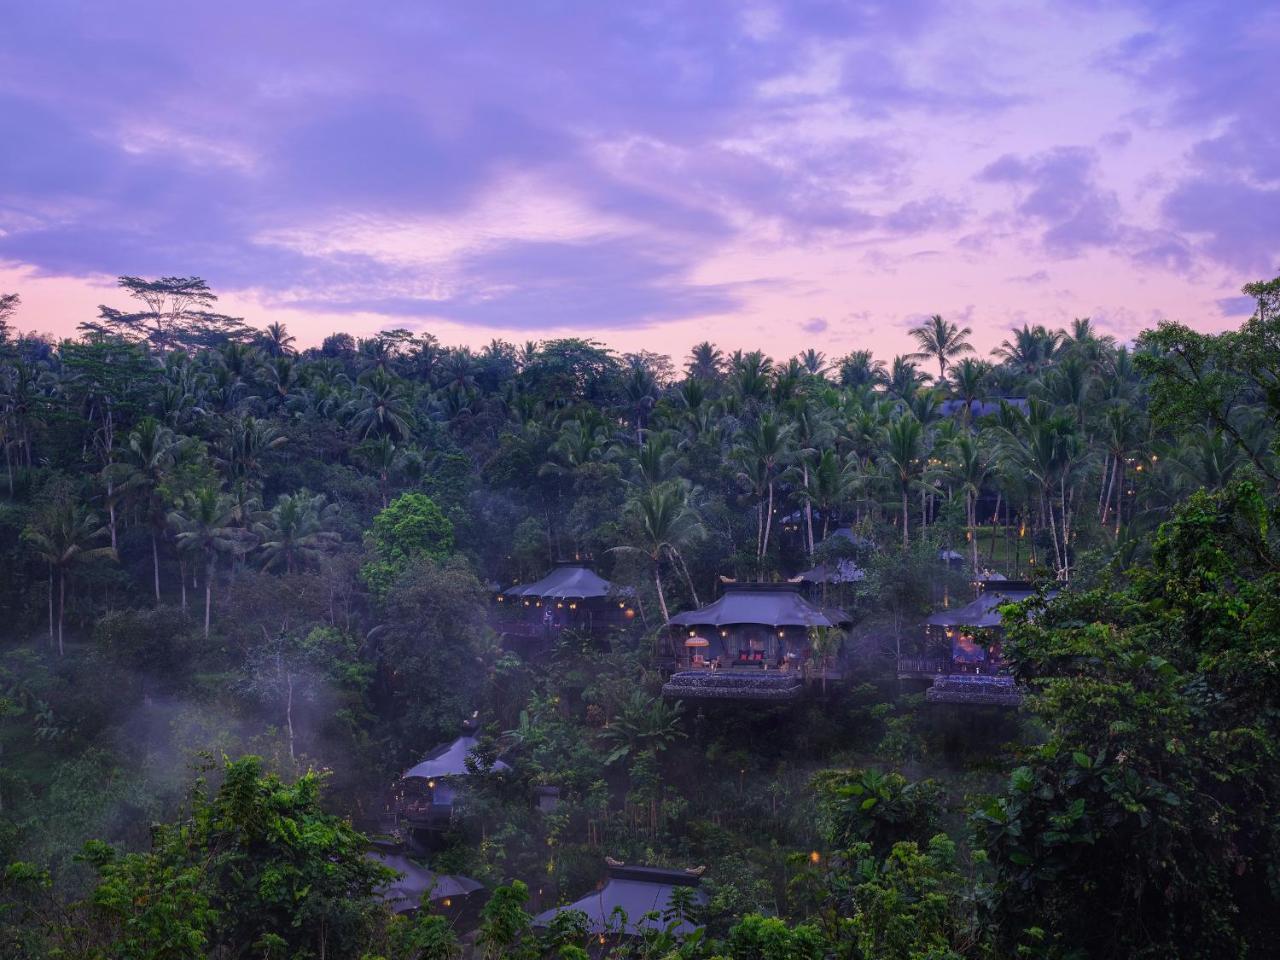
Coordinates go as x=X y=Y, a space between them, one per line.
x=630 y=614
x=448 y=902
x=431 y=784
x=815 y=857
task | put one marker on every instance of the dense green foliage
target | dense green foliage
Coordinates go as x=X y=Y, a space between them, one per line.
x=215 y=545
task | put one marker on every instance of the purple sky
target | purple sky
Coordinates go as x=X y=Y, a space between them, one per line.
x=773 y=175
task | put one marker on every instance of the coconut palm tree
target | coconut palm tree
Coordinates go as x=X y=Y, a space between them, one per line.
x=968 y=384
x=63 y=536
x=969 y=468
x=275 y=340
x=297 y=531
x=662 y=525
x=860 y=369
x=765 y=451
x=1030 y=351
x=829 y=484
x=205 y=525
x=904 y=457
x=706 y=362
x=148 y=460
x=941 y=340
x=380 y=407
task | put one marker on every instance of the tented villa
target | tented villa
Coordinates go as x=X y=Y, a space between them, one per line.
x=758 y=641
x=633 y=899
x=962 y=648
x=429 y=790
x=571 y=597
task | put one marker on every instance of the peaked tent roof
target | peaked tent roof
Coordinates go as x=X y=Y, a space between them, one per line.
x=983 y=612
x=769 y=604
x=449 y=761
x=567 y=581
x=405 y=892
x=842 y=571
x=636 y=891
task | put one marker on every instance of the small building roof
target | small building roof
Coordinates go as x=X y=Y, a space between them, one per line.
x=768 y=604
x=842 y=571
x=985 y=611
x=847 y=533
x=449 y=760
x=405 y=892
x=636 y=891
x=983 y=408
x=567 y=581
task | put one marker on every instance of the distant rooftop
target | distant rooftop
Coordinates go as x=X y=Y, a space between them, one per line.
x=635 y=891
x=449 y=760
x=568 y=581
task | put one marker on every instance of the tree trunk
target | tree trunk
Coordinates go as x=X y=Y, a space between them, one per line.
x=288 y=715
x=906 y=521
x=62 y=604
x=768 y=528
x=155 y=561
x=51 y=639
x=972 y=511
x=208 y=594
x=182 y=579
x=808 y=508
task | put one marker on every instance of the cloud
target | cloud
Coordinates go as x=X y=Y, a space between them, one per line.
x=1058 y=190
x=1237 y=306
x=816 y=325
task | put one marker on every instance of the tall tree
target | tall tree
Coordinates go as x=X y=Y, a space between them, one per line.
x=941 y=340
x=64 y=535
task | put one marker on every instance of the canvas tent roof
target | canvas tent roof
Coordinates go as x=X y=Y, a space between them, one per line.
x=842 y=571
x=405 y=892
x=769 y=604
x=983 y=612
x=636 y=891
x=567 y=581
x=448 y=761
x=983 y=408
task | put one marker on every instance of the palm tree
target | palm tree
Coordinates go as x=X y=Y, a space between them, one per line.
x=905 y=460
x=275 y=340
x=380 y=407
x=1030 y=351
x=662 y=524
x=812 y=431
x=296 y=531
x=969 y=468
x=968 y=384
x=905 y=380
x=941 y=340
x=149 y=459
x=766 y=449
x=706 y=362
x=814 y=363
x=204 y=522
x=829 y=484
x=64 y=536
x=243 y=446
x=861 y=369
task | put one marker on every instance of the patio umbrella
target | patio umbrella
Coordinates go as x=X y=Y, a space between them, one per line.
x=697 y=642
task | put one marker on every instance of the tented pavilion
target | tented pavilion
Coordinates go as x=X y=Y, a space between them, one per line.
x=755 y=642
x=570 y=596
x=414 y=881
x=428 y=791
x=624 y=904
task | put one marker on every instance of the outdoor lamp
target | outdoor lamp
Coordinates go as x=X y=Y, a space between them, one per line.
x=431 y=784
x=814 y=856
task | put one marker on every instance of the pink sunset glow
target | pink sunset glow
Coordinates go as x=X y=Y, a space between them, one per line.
x=772 y=176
